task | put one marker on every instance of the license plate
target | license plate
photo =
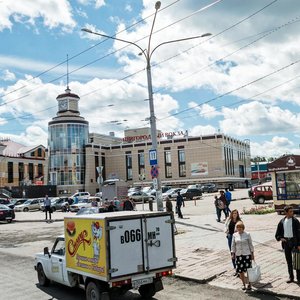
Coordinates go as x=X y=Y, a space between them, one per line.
x=137 y=283
x=8 y=218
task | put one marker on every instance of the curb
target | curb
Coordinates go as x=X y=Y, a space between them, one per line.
x=36 y=221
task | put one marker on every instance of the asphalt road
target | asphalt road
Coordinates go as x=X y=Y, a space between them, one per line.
x=19 y=281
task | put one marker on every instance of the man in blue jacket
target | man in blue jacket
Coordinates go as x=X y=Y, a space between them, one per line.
x=288 y=232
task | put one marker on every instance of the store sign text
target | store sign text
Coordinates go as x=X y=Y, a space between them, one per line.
x=159 y=136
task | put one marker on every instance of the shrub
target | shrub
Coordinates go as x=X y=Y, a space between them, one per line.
x=259 y=210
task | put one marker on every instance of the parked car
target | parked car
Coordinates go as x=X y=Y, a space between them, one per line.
x=140 y=196
x=4 y=201
x=14 y=202
x=82 y=203
x=31 y=204
x=171 y=193
x=260 y=193
x=81 y=195
x=190 y=193
x=208 y=188
x=6 y=214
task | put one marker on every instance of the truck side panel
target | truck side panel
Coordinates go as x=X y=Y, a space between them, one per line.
x=85 y=243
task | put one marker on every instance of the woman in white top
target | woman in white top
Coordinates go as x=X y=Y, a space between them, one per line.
x=242 y=251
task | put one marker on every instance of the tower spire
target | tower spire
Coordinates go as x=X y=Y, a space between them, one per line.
x=68 y=89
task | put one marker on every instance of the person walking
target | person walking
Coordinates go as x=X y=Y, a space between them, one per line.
x=242 y=251
x=223 y=199
x=47 y=204
x=288 y=232
x=230 y=229
x=179 y=203
x=228 y=197
x=128 y=204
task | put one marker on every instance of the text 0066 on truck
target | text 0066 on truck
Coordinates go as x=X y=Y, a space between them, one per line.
x=112 y=252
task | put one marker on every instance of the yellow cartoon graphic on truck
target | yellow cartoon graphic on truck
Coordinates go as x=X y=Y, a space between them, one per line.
x=97 y=235
x=85 y=245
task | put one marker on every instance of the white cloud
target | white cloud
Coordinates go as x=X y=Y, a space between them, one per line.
x=99 y=3
x=123 y=102
x=128 y=7
x=255 y=118
x=200 y=130
x=6 y=75
x=53 y=12
x=206 y=111
x=276 y=147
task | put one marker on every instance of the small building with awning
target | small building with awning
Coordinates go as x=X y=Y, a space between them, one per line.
x=285 y=173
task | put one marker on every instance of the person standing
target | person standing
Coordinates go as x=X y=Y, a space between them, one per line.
x=179 y=203
x=127 y=204
x=47 y=204
x=223 y=199
x=242 y=251
x=288 y=232
x=230 y=229
x=228 y=197
x=117 y=203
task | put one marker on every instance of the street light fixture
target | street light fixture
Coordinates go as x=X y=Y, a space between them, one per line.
x=148 y=54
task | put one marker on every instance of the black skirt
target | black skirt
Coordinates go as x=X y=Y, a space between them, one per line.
x=243 y=262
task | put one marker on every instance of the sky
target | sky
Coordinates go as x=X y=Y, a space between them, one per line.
x=242 y=81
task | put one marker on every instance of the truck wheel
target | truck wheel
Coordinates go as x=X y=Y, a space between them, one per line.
x=42 y=278
x=261 y=200
x=93 y=291
x=147 y=291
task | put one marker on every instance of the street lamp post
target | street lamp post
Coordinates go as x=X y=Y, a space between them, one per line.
x=148 y=54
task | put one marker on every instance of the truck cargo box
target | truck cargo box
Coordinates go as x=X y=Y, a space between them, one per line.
x=116 y=245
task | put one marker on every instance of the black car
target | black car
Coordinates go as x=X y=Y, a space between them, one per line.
x=190 y=193
x=209 y=188
x=4 y=201
x=6 y=214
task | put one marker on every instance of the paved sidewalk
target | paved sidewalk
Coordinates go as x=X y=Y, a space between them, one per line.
x=214 y=266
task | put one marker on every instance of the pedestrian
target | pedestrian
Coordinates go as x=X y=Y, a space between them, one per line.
x=169 y=209
x=288 y=232
x=47 y=204
x=127 y=204
x=94 y=202
x=220 y=206
x=179 y=203
x=111 y=207
x=242 y=251
x=228 y=197
x=230 y=229
x=222 y=197
x=117 y=203
x=169 y=205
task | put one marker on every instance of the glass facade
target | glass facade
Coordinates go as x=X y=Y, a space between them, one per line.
x=66 y=142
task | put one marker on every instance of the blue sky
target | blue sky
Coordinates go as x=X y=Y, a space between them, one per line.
x=204 y=86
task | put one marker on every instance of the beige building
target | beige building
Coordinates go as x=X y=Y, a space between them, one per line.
x=182 y=160
x=21 y=165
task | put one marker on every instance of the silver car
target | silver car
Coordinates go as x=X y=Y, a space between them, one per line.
x=31 y=204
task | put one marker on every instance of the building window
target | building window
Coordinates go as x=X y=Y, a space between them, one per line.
x=103 y=165
x=30 y=171
x=21 y=172
x=141 y=162
x=39 y=152
x=128 y=159
x=32 y=154
x=96 y=165
x=168 y=162
x=40 y=170
x=10 y=172
x=181 y=162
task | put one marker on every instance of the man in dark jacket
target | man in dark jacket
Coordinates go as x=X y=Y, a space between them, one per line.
x=179 y=203
x=127 y=204
x=288 y=232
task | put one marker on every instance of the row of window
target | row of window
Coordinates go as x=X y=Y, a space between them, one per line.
x=21 y=173
x=167 y=162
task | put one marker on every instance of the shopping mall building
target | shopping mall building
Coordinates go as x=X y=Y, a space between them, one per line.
x=79 y=160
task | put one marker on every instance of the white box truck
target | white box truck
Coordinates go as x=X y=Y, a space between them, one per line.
x=111 y=252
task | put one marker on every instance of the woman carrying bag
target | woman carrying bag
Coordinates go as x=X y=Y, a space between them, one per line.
x=230 y=229
x=242 y=251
